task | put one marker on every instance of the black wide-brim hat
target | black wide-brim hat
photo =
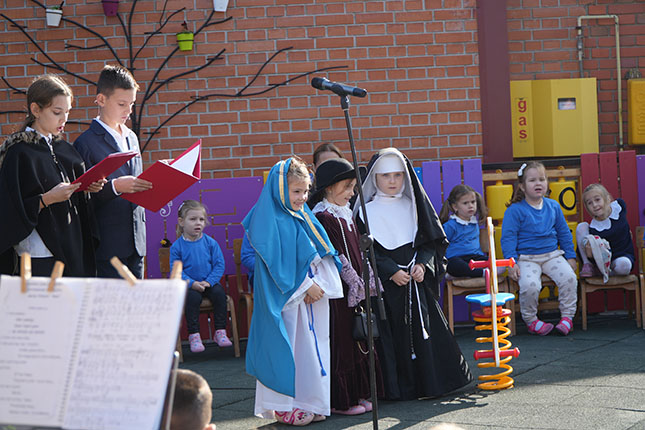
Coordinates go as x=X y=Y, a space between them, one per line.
x=332 y=171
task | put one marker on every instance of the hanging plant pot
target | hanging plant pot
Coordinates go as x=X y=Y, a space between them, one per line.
x=53 y=17
x=110 y=7
x=220 y=5
x=185 y=40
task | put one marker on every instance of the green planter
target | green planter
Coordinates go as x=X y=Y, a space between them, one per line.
x=185 y=40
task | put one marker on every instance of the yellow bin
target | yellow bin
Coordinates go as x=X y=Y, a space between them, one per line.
x=564 y=192
x=554 y=117
x=636 y=111
x=496 y=198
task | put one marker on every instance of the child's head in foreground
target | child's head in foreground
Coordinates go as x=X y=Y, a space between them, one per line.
x=192 y=405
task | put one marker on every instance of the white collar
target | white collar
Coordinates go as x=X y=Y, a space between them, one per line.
x=124 y=128
x=187 y=239
x=340 y=212
x=605 y=224
x=393 y=222
x=47 y=138
x=118 y=137
x=473 y=220
x=381 y=194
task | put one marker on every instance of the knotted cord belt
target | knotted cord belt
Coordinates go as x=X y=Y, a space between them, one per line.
x=408 y=305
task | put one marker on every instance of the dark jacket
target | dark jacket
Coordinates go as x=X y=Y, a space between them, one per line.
x=121 y=223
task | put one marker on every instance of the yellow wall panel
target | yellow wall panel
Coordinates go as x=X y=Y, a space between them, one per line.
x=636 y=111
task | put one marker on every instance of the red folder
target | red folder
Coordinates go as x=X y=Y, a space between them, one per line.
x=102 y=169
x=169 y=179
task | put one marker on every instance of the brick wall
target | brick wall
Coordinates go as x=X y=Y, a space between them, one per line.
x=418 y=60
x=542 y=45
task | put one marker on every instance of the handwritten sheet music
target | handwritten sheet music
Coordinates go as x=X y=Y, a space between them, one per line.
x=36 y=335
x=113 y=348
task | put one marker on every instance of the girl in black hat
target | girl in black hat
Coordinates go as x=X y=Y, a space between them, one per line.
x=350 y=389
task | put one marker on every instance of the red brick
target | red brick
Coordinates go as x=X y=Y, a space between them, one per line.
x=366 y=18
x=454 y=14
x=414 y=39
x=457 y=37
x=331 y=20
x=452 y=60
x=386 y=46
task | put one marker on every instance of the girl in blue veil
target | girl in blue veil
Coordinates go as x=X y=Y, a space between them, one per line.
x=296 y=273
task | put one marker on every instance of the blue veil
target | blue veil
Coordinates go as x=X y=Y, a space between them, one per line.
x=285 y=242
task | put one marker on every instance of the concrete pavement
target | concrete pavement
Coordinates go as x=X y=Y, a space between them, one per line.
x=588 y=380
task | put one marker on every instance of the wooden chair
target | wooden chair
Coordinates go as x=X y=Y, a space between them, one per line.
x=465 y=286
x=627 y=283
x=617 y=171
x=548 y=304
x=245 y=296
x=205 y=307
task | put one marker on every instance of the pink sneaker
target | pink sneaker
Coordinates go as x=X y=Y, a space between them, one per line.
x=366 y=404
x=221 y=339
x=565 y=326
x=540 y=327
x=587 y=270
x=296 y=417
x=318 y=418
x=196 y=344
x=354 y=410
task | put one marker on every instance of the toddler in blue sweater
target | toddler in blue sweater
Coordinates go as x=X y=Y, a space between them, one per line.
x=533 y=228
x=461 y=214
x=203 y=263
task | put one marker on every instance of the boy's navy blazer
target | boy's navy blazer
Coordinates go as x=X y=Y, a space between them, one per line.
x=121 y=223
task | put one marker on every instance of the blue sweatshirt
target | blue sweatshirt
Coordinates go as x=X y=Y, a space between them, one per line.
x=202 y=259
x=247 y=256
x=526 y=230
x=463 y=237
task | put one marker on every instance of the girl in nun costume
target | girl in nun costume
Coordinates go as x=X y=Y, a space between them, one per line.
x=296 y=273
x=410 y=245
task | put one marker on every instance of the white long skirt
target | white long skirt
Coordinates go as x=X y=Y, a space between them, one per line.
x=312 y=388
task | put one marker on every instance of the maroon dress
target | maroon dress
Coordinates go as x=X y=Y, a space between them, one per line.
x=349 y=365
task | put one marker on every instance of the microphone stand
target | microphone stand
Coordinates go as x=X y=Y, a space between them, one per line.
x=366 y=244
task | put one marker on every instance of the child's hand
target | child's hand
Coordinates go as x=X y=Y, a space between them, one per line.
x=131 y=184
x=573 y=263
x=418 y=271
x=314 y=293
x=97 y=186
x=400 y=278
x=59 y=193
x=514 y=272
x=588 y=250
x=198 y=286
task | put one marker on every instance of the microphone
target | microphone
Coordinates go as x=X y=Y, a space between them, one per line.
x=340 y=89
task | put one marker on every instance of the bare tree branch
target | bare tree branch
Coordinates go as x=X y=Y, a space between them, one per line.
x=275 y=54
x=155 y=84
x=238 y=94
x=218 y=56
x=15 y=90
x=84 y=48
x=157 y=31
